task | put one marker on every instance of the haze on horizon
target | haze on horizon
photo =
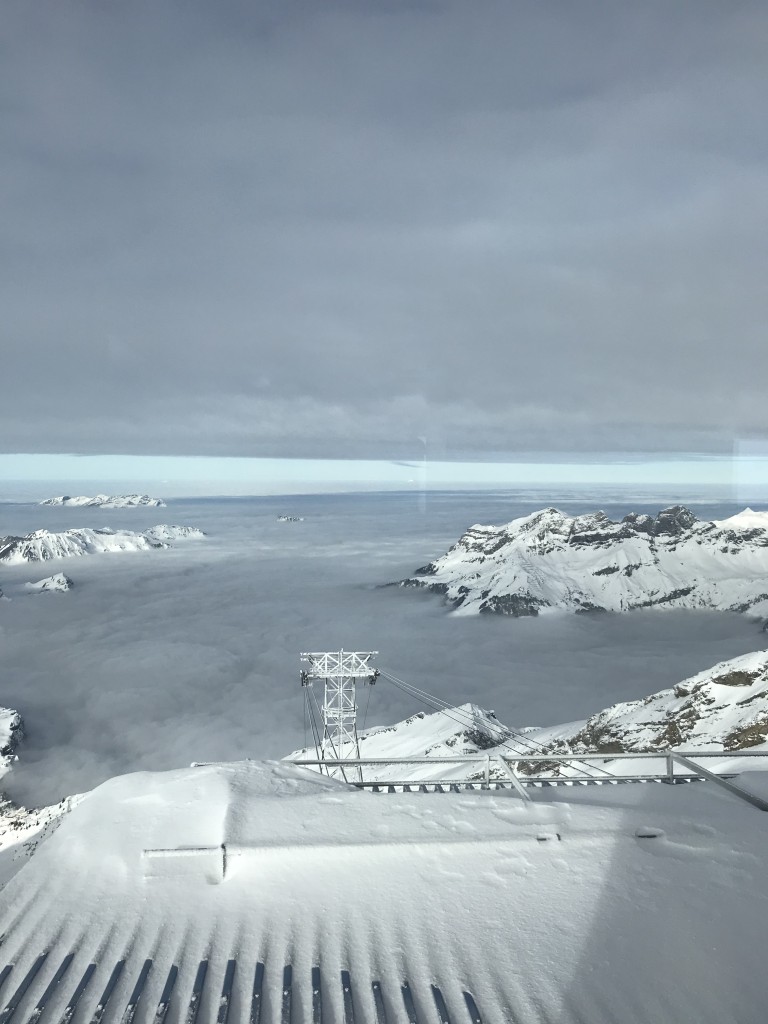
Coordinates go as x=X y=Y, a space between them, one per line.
x=352 y=230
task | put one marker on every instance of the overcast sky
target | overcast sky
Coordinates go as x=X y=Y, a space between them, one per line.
x=339 y=228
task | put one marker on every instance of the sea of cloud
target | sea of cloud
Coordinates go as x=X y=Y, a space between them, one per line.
x=156 y=659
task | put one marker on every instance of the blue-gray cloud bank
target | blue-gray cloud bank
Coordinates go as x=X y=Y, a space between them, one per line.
x=334 y=229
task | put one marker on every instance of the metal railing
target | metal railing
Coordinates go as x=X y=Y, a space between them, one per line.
x=499 y=771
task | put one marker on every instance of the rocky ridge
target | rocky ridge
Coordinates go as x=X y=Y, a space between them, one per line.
x=590 y=563
x=723 y=708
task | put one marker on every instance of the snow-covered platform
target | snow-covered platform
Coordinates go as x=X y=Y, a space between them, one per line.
x=263 y=892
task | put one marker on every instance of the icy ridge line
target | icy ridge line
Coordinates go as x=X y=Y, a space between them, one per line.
x=43 y=545
x=106 y=501
x=591 y=563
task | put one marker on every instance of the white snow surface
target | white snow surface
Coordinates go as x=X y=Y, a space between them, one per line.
x=550 y=911
x=466 y=729
x=56 y=584
x=106 y=501
x=42 y=545
x=746 y=520
x=548 y=560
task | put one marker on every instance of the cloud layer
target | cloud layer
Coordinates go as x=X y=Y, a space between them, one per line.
x=331 y=229
x=156 y=659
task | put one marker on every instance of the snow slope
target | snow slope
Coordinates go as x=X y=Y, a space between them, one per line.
x=551 y=911
x=106 y=501
x=590 y=563
x=467 y=729
x=723 y=708
x=43 y=545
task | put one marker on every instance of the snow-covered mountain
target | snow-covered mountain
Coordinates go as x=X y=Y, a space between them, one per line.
x=724 y=707
x=590 y=563
x=43 y=545
x=106 y=501
x=56 y=584
x=11 y=731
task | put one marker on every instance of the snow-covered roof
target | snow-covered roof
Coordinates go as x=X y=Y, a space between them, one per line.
x=603 y=905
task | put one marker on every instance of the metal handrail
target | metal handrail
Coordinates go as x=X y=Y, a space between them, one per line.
x=481 y=758
x=671 y=757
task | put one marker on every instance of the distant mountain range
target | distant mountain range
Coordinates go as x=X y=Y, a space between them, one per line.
x=106 y=501
x=43 y=545
x=591 y=563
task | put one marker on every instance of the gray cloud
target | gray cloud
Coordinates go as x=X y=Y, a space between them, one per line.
x=327 y=229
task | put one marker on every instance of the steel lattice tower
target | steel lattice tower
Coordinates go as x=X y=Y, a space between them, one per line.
x=340 y=671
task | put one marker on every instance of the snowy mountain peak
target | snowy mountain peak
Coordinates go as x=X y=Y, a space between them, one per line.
x=591 y=563
x=57 y=584
x=746 y=520
x=106 y=501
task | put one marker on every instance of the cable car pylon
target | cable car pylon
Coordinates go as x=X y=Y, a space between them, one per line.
x=340 y=672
